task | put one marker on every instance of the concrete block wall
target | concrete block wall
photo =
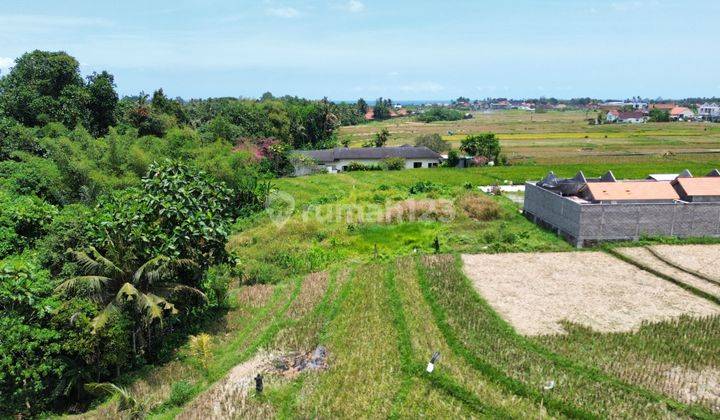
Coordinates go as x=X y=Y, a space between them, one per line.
x=581 y=223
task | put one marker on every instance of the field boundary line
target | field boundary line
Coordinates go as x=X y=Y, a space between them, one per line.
x=682 y=268
x=638 y=264
x=414 y=369
x=493 y=374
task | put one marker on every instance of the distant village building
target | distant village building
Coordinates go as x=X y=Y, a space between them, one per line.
x=339 y=159
x=631 y=117
x=709 y=111
x=589 y=210
x=680 y=113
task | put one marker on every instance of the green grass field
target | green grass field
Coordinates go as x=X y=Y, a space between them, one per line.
x=383 y=299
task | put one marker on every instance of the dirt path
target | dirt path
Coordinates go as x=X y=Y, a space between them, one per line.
x=227 y=398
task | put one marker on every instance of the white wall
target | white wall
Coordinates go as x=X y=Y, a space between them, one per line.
x=408 y=162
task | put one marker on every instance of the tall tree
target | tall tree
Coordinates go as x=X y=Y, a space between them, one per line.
x=38 y=85
x=103 y=102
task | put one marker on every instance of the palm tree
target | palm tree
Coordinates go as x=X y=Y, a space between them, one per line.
x=147 y=288
x=126 y=401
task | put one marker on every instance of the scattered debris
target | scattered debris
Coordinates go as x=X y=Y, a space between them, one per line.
x=290 y=365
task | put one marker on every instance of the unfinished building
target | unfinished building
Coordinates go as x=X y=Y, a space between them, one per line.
x=589 y=210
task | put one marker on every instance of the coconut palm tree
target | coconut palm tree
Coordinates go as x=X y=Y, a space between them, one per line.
x=148 y=288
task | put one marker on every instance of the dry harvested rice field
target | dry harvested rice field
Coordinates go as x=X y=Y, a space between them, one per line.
x=544 y=138
x=536 y=292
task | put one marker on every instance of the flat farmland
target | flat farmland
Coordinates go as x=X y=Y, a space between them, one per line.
x=565 y=136
x=537 y=292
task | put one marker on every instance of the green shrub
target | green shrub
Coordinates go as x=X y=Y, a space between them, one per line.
x=440 y=114
x=422 y=187
x=180 y=393
x=357 y=166
x=393 y=164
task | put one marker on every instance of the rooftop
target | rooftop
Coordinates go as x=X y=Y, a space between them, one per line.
x=632 y=190
x=348 y=153
x=705 y=186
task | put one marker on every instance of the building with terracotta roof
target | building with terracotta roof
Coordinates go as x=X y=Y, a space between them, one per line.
x=589 y=210
x=681 y=113
x=630 y=192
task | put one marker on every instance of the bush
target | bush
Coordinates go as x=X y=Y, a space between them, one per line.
x=180 y=393
x=440 y=114
x=393 y=164
x=453 y=159
x=357 y=166
x=480 y=207
x=422 y=187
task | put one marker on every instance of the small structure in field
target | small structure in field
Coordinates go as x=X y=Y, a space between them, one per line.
x=588 y=210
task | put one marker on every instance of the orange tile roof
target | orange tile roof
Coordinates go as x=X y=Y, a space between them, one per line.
x=680 y=110
x=632 y=190
x=700 y=186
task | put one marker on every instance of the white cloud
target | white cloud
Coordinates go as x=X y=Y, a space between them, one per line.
x=355 y=6
x=421 y=87
x=6 y=63
x=283 y=12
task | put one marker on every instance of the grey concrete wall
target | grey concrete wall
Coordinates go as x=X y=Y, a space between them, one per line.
x=603 y=222
x=552 y=209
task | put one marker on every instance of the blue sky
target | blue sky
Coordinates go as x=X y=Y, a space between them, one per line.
x=345 y=49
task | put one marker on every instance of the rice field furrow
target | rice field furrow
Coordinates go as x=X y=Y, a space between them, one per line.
x=521 y=366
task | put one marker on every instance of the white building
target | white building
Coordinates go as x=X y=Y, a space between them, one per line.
x=340 y=158
x=709 y=111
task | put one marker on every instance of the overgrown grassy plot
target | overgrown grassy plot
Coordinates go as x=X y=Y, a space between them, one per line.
x=310 y=304
x=678 y=357
x=365 y=370
x=487 y=343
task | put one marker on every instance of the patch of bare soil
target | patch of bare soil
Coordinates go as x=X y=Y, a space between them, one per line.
x=645 y=257
x=229 y=398
x=700 y=258
x=536 y=291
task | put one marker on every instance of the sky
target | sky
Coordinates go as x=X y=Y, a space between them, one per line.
x=402 y=49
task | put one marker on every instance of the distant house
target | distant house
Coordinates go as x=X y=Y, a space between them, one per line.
x=338 y=159
x=709 y=111
x=632 y=117
x=612 y=116
x=680 y=113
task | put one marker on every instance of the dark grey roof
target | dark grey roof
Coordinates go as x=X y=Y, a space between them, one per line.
x=347 y=153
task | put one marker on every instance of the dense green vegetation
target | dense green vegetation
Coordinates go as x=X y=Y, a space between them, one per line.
x=114 y=216
x=439 y=114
